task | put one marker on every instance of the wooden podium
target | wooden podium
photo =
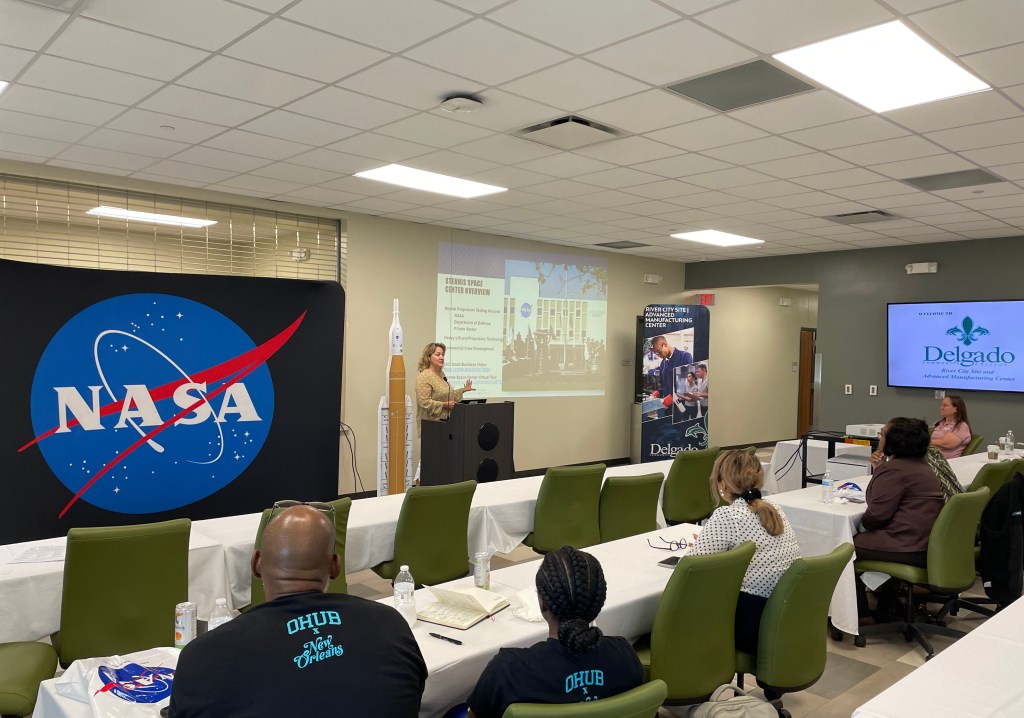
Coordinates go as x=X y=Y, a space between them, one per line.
x=474 y=444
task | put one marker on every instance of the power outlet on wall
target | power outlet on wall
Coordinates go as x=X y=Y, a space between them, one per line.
x=873 y=390
x=940 y=393
x=848 y=389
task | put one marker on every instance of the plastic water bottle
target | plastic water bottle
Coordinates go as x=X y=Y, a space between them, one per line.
x=405 y=596
x=220 y=615
x=1009 y=442
x=827 y=490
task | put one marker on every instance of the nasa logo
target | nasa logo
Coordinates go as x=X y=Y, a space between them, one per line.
x=526 y=310
x=136 y=684
x=147 y=402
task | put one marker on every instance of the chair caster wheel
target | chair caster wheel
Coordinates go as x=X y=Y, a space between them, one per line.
x=836 y=634
x=860 y=641
x=929 y=657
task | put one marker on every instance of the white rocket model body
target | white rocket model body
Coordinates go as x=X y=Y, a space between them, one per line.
x=394 y=426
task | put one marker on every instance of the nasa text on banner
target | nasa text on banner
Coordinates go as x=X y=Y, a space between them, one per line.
x=676 y=380
x=140 y=396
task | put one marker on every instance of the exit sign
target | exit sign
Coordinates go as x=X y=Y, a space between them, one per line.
x=707 y=300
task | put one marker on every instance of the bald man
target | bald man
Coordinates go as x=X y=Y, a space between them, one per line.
x=304 y=651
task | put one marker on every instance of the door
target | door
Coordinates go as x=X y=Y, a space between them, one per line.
x=805 y=391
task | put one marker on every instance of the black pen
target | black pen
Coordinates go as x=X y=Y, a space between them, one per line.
x=445 y=638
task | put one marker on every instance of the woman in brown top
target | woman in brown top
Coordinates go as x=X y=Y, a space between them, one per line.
x=435 y=397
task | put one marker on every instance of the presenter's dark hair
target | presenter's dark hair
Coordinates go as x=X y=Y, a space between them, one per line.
x=703 y=366
x=906 y=438
x=571 y=586
x=427 y=351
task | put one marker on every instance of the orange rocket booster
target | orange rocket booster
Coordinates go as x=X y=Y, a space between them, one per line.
x=396 y=410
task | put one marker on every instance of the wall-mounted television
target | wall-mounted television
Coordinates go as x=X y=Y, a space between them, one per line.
x=957 y=345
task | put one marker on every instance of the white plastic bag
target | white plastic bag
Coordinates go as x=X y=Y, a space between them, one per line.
x=136 y=685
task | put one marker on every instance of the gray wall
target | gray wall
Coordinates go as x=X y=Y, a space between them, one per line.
x=854 y=287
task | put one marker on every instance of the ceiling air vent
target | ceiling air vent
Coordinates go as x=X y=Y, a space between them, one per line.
x=620 y=245
x=875 y=215
x=569 y=133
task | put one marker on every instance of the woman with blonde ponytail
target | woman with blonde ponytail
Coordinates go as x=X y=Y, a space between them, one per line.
x=736 y=479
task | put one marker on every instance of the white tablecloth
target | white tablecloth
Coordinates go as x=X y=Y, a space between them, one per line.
x=976 y=677
x=30 y=593
x=967 y=467
x=786 y=468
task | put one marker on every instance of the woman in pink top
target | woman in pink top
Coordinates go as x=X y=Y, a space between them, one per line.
x=951 y=433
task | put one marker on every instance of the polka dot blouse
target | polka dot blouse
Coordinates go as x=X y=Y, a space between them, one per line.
x=729 y=526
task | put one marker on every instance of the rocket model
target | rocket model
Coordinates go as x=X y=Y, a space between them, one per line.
x=394 y=426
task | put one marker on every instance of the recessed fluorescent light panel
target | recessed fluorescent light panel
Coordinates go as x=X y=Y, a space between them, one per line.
x=430 y=182
x=3 y=85
x=883 y=68
x=718 y=239
x=150 y=217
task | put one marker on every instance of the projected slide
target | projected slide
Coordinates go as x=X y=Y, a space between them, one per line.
x=523 y=324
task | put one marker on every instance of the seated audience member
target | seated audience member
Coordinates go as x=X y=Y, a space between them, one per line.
x=303 y=652
x=951 y=433
x=948 y=481
x=577 y=662
x=737 y=478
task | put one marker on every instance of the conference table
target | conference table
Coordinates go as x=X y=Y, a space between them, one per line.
x=976 y=677
x=635 y=584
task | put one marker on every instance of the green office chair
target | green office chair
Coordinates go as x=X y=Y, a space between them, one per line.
x=629 y=505
x=752 y=450
x=697 y=612
x=687 y=496
x=23 y=666
x=133 y=574
x=567 y=511
x=950 y=569
x=791 y=648
x=641 y=702
x=974 y=444
x=342 y=507
x=994 y=476
x=431 y=538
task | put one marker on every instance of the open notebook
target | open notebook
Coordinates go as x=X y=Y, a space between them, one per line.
x=461 y=607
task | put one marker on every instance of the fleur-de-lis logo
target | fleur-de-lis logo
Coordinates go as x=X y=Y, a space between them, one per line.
x=967 y=332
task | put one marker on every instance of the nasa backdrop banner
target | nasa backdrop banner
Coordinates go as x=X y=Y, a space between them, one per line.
x=134 y=397
x=674 y=362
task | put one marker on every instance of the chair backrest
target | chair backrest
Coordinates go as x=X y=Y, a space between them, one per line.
x=687 y=496
x=641 y=702
x=791 y=648
x=693 y=645
x=568 y=507
x=752 y=450
x=995 y=475
x=629 y=505
x=121 y=584
x=951 y=541
x=342 y=507
x=432 y=533
x=974 y=444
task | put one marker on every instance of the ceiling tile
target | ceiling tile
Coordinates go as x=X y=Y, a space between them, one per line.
x=54 y=73
x=333 y=104
x=630 y=151
x=510 y=177
x=851 y=132
x=28 y=26
x=20 y=156
x=203 y=106
x=705 y=199
x=234 y=78
x=30 y=145
x=46 y=128
x=574 y=84
x=144 y=122
x=340 y=162
x=12 y=60
x=270 y=6
x=867 y=192
x=181 y=170
x=303 y=51
x=503 y=111
x=647 y=111
x=796 y=201
x=505 y=149
x=618 y=178
x=607 y=198
x=167 y=181
x=562 y=188
x=32 y=100
x=710 y=132
x=902 y=148
x=295 y=173
x=955 y=112
x=1000 y=67
x=99 y=44
x=264 y=186
x=992 y=155
x=672 y=53
x=842 y=178
x=381 y=147
x=1016 y=93
x=210 y=157
x=450 y=163
x=486 y=52
x=924 y=166
x=774 y=25
x=799 y=112
x=973 y=25
x=410 y=83
x=728 y=178
x=762 y=150
x=431 y=130
x=392 y=25
x=209 y=24
x=1010 y=171
x=682 y=165
x=105 y=158
x=299 y=128
x=249 y=143
x=985 y=134
x=559 y=23
x=89 y=167
x=135 y=144
x=776 y=188
x=566 y=164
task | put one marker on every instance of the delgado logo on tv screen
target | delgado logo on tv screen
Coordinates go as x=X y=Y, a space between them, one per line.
x=148 y=402
x=967 y=333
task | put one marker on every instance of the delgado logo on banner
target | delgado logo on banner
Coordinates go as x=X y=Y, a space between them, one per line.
x=148 y=402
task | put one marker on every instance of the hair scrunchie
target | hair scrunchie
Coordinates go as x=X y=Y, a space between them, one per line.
x=751 y=495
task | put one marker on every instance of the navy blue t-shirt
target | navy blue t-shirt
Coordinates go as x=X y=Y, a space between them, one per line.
x=548 y=673
x=315 y=654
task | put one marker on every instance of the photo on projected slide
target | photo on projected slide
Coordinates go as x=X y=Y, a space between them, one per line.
x=523 y=323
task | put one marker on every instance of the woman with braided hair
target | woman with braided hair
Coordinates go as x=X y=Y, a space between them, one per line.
x=577 y=662
x=736 y=479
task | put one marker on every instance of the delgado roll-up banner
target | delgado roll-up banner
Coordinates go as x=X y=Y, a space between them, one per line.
x=674 y=361
x=133 y=397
